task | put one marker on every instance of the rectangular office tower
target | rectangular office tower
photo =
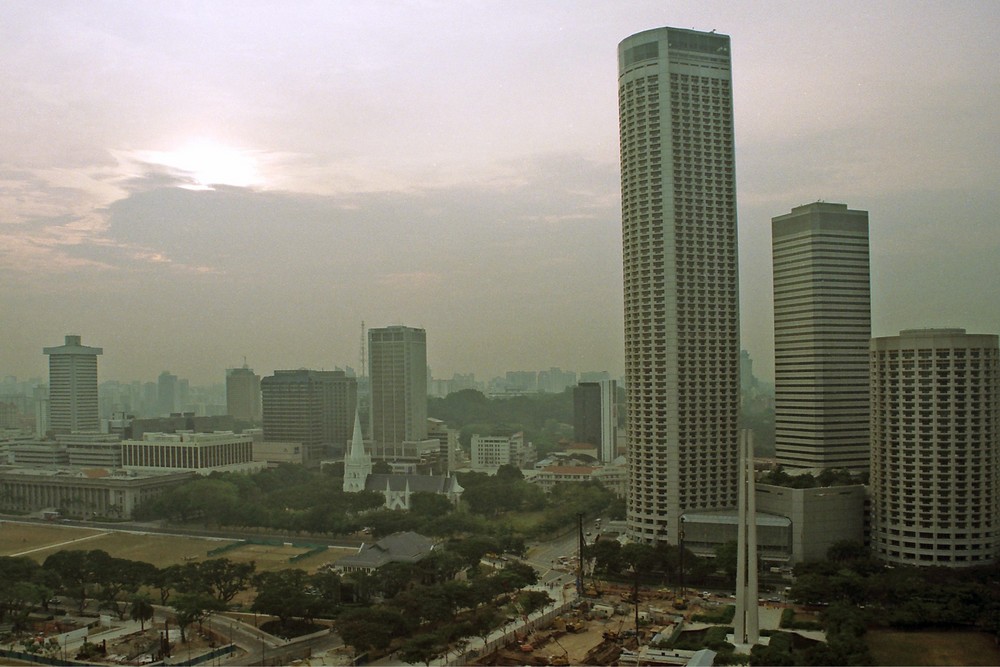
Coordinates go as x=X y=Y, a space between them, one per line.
x=73 y=387
x=682 y=352
x=822 y=330
x=314 y=408
x=595 y=417
x=397 y=371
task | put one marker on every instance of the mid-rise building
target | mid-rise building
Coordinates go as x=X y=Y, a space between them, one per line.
x=680 y=277
x=72 y=397
x=397 y=371
x=595 y=418
x=243 y=394
x=935 y=431
x=201 y=452
x=489 y=452
x=822 y=329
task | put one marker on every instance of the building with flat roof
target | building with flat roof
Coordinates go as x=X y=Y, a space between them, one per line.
x=314 y=408
x=489 y=452
x=84 y=492
x=243 y=401
x=679 y=248
x=397 y=372
x=595 y=419
x=202 y=452
x=73 y=404
x=935 y=432
x=820 y=516
x=822 y=328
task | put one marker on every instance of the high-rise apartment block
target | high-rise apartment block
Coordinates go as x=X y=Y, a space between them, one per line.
x=822 y=331
x=314 y=408
x=397 y=369
x=680 y=270
x=595 y=417
x=935 y=438
x=243 y=394
x=73 y=387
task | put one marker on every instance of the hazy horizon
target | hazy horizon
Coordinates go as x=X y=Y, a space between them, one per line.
x=189 y=184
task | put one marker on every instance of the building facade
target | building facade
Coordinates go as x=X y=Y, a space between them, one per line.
x=167 y=394
x=822 y=329
x=820 y=516
x=314 y=408
x=489 y=452
x=243 y=394
x=73 y=404
x=201 y=452
x=595 y=417
x=935 y=430
x=84 y=493
x=680 y=276
x=397 y=371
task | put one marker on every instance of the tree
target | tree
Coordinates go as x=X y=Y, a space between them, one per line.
x=284 y=594
x=329 y=593
x=725 y=558
x=193 y=607
x=422 y=647
x=371 y=628
x=225 y=578
x=429 y=505
x=141 y=610
x=76 y=570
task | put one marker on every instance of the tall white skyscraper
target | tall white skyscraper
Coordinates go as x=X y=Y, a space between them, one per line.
x=935 y=437
x=682 y=350
x=822 y=330
x=397 y=369
x=73 y=387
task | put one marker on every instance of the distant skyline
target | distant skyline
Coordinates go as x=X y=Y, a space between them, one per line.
x=189 y=184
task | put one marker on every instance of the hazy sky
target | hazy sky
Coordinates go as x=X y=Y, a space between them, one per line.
x=189 y=183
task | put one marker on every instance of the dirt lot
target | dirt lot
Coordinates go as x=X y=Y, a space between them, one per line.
x=892 y=647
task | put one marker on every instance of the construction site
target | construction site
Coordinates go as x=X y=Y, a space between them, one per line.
x=614 y=627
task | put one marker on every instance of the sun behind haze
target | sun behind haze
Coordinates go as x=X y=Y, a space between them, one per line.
x=187 y=184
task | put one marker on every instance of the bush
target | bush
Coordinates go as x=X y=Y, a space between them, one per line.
x=722 y=615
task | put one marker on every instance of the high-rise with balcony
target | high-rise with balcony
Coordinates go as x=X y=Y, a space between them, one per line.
x=680 y=277
x=73 y=387
x=822 y=331
x=397 y=368
x=935 y=439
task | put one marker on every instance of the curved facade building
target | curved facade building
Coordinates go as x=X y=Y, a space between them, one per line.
x=680 y=276
x=935 y=429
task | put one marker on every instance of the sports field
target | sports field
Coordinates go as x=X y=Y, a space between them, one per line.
x=38 y=541
x=892 y=647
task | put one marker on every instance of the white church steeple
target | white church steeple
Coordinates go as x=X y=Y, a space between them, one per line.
x=357 y=462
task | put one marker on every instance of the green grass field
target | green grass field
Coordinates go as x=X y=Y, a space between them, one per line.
x=893 y=647
x=38 y=541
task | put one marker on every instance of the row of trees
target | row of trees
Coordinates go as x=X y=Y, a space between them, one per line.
x=295 y=499
x=422 y=599
x=902 y=596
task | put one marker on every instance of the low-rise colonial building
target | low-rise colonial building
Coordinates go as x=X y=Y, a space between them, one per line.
x=83 y=492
